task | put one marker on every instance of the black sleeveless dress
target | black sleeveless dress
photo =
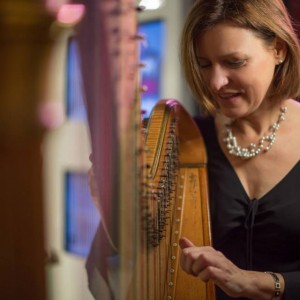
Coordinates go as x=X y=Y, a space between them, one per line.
x=255 y=234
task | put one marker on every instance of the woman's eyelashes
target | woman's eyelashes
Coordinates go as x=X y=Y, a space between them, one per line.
x=233 y=64
x=204 y=66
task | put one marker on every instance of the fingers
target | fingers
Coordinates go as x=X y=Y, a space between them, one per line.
x=192 y=258
x=208 y=273
x=185 y=243
x=189 y=255
x=206 y=263
x=200 y=261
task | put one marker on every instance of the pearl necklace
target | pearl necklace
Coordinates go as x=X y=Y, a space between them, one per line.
x=264 y=144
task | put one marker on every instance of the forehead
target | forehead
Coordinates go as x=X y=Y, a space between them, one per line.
x=225 y=38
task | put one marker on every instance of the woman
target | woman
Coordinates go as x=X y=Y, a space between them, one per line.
x=242 y=62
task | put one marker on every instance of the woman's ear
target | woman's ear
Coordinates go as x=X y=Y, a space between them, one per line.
x=280 y=49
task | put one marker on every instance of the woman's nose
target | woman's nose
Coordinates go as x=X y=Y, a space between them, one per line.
x=218 y=78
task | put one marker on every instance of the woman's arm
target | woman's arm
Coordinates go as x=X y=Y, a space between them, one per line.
x=210 y=264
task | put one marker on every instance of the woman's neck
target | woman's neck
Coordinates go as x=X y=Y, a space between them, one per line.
x=258 y=123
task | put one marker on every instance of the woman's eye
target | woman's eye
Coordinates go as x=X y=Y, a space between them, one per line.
x=204 y=65
x=236 y=63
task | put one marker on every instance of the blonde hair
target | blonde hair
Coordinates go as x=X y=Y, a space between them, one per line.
x=268 y=19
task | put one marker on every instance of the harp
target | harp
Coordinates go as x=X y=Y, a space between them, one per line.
x=174 y=203
x=145 y=205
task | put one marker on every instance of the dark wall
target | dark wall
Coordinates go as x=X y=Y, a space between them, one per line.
x=294 y=9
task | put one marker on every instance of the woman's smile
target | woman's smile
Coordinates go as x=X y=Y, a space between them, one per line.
x=229 y=96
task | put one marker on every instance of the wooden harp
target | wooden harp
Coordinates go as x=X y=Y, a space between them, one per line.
x=174 y=203
x=142 y=220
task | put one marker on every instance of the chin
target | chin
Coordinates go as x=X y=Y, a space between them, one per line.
x=231 y=113
x=237 y=111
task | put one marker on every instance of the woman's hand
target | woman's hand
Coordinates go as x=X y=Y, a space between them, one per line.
x=207 y=263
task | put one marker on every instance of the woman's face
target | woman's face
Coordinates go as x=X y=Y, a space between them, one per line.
x=237 y=66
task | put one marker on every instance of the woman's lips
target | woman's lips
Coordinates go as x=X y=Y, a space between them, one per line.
x=228 y=97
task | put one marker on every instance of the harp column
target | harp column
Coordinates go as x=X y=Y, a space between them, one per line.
x=24 y=45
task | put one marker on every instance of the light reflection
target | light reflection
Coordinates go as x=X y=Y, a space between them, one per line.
x=51 y=114
x=54 y=5
x=152 y=4
x=70 y=14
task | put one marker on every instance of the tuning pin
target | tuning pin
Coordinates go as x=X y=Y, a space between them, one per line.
x=141 y=65
x=140 y=8
x=143 y=89
x=139 y=37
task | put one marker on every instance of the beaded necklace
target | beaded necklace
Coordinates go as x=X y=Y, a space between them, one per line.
x=264 y=144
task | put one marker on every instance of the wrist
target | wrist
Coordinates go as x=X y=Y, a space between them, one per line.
x=262 y=286
x=278 y=285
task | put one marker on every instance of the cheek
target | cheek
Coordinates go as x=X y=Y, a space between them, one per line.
x=263 y=74
x=262 y=84
x=257 y=80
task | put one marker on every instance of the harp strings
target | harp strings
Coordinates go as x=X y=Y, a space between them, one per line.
x=160 y=190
